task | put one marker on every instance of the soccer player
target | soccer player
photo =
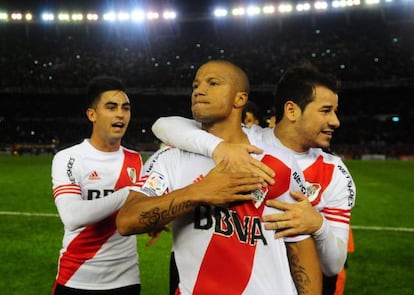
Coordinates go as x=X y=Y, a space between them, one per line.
x=306 y=103
x=91 y=181
x=222 y=249
x=250 y=114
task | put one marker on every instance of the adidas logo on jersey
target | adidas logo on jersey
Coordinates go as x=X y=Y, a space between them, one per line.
x=94 y=176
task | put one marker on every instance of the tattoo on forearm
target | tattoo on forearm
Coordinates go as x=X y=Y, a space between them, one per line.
x=157 y=216
x=300 y=277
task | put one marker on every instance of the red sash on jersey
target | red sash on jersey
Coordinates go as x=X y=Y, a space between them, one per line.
x=227 y=264
x=321 y=173
x=90 y=240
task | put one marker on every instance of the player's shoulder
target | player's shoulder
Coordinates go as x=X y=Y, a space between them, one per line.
x=170 y=157
x=73 y=150
x=276 y=151
x=131 y=153
x=167 y=153
x=328 y=155
x=129 y=150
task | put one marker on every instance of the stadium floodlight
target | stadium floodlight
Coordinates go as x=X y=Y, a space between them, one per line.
x=109 y=16
x=123 y=16
x=303 y=6
x=220 y=12
x=169 y=14
x=48 y=16
x=285 y=8
x=345 y=3
x=372 y=2
x=92 y=17
x=321 y=5
x=253 y=10
x=268 y=9
x=63 y=17
x=4 y=16
x=77 y=17
x=153 y=15
x=28 y=16
x=16 y=16
x=137 y=15
x=238 y=11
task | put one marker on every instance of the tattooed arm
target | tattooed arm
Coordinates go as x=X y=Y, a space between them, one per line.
x=305 y=267
x=141 y=213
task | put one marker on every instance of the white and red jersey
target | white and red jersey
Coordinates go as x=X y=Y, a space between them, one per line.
x=89 y=187
x=330 y=189
x=226 y=250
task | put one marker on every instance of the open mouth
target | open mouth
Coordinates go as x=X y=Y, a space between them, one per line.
x=118 y=125
x=328 y=133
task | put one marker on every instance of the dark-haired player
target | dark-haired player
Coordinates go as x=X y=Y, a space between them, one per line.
x=90 y=183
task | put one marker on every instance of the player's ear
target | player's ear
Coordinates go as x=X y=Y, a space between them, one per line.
x=91 y=114
x=291 y=110
x=240 y=99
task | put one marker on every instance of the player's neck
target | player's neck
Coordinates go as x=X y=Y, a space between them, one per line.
x=231 y=133
x=289 y=138
x=105 y=145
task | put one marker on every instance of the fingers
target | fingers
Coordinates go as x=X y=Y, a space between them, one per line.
x=263 y=171
x=282 y=229
x=153 y=239
x=298 y=196
x=223 y=165
x=155 y=235
x=279 y=205
x=251 y=149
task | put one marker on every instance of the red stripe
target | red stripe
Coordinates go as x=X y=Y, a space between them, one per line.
x=337 y=219
x=226 y=255
x=66 y=189
x=87 y=243
x=319 y=172
x=336 y=210
x=84 y=247
x=345 y=214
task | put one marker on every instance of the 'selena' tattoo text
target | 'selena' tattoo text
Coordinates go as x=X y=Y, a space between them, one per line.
x=157 y=216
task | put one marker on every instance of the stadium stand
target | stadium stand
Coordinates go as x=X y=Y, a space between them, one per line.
x=45 y=68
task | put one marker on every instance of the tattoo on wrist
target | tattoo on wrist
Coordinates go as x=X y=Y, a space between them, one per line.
x=157 y=216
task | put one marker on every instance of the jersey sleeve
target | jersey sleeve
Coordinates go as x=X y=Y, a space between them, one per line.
x=332 y=238
x=74 y=211
x=156 y=174
x=185 y=134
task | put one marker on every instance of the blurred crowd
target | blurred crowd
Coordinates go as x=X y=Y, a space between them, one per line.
x=370 y=54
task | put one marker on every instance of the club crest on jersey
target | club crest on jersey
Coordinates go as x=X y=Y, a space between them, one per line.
x=312 y=190
x=259 y=196
x=132 y=173
x=155 y=185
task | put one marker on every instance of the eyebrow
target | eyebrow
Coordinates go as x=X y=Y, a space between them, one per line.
x=112 y=103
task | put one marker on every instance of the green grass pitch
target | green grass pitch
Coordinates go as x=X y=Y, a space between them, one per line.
x=383 y=261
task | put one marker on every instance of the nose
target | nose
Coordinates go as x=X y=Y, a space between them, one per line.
x=200 y=90
x=120 y=112
x=334 y=121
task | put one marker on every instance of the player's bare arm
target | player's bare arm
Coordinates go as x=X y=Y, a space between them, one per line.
x=241 y=160
x=297 y=218
x=305 y=267
x=141 y=213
